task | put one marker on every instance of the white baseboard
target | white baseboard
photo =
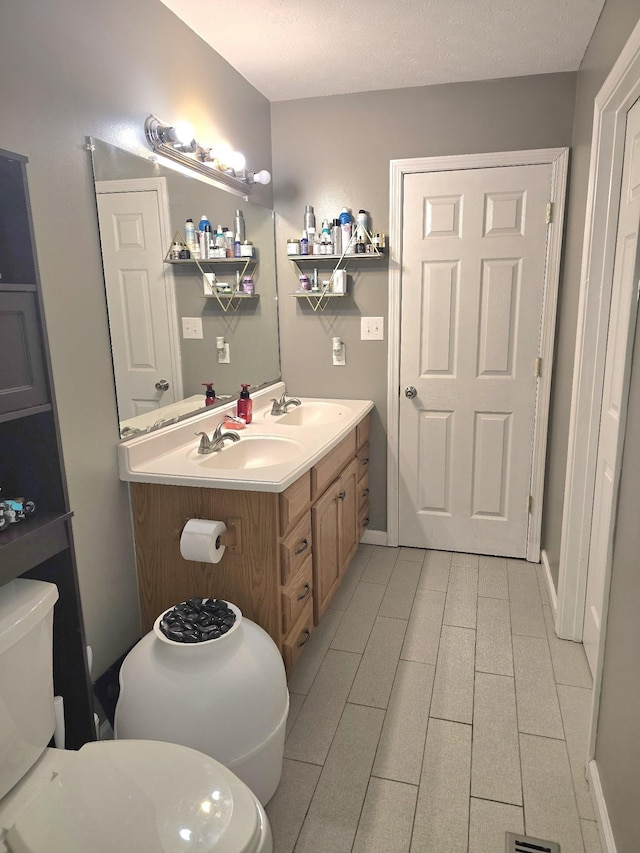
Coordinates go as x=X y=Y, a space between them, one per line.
x=374 y=537
x=600 y=806
x=553 y=598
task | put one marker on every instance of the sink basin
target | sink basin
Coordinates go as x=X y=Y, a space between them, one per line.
x=258 y=452
x=312 y=414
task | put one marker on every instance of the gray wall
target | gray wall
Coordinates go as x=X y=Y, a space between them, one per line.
x=69 y=69
x=614 y=27
x=334 y=152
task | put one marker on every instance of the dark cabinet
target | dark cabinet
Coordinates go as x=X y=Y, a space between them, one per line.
x=31 y=466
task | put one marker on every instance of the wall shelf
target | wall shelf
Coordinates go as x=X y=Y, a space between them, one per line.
x=319 y=299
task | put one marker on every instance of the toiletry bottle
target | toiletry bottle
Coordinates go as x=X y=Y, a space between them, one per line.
x=205 y=243
x=345 y=225
x=204 y=221
x=190 y=235
x=310 y=228
x=210 y=394
x=304 y=244
x=325 y=238
x=237 y=246
x=245 y=405
x=336 y=237
x=362 y=226
x=238 y=225
x=220 y=243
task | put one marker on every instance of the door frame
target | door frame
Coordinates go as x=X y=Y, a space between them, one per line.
x=558 y=158
x=159 y=186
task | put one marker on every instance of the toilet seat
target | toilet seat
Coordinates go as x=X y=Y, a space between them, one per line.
x=142 y=796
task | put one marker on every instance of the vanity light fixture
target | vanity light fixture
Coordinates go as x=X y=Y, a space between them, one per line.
x=178 y=144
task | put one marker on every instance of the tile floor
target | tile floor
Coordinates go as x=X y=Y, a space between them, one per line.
x=434 y=709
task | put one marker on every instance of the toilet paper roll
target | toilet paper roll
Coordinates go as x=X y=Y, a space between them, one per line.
x=200 y=540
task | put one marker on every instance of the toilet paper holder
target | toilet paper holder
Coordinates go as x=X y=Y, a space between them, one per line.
x=231 y=538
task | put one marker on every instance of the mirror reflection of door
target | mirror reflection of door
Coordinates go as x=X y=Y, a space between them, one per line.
x=142 y=317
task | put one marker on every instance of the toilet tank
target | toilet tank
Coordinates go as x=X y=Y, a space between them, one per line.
x=27 y=719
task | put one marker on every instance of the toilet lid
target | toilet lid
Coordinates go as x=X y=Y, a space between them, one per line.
x=142 y=796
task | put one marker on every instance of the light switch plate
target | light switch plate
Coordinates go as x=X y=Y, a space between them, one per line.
x=372 y=328
x=192 y=328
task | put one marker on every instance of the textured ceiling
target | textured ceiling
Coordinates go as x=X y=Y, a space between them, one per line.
x=298 y=49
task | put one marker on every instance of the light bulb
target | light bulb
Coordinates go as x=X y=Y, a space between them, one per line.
x=237 y=161
x=262 y=177
x=184 y=132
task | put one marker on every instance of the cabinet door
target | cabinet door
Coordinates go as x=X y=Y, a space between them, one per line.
x=325 y=516
x=348 y=530
x=23 y=382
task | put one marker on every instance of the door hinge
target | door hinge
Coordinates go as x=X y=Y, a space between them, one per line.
x=549 y=214
x=537 y=368
x=529 y=503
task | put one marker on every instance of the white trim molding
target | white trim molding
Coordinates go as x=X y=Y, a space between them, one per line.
x=375 y=537
x=558 y=158
x=546 y=568
x=600 y=808
x=618 y=94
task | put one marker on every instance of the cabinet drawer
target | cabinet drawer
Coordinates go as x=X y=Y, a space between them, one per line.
x=294 y=502
x=296 y=595
x=295 y=641
x=362 y=431
x=295 y=549
x=363 y=460
x=327 y=469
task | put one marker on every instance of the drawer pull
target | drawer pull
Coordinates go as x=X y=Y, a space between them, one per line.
x=302 y=546
x=307 y=634
x=365 y=493
x=342 y=495
x=365 y=522
x=307 y=590
x=364 y=461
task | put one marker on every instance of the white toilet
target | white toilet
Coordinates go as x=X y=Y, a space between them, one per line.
x=109 y=797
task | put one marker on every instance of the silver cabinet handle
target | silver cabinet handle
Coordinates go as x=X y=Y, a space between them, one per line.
x=306 y=636
x=410 y=392
x=162 y=385
x=302 y=547
x=342 y=495
x=307 y=590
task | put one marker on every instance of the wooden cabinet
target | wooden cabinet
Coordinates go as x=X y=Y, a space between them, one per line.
x=292 y=549
x=41 y=546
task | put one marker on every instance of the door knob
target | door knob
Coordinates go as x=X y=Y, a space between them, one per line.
x=162 y=385
x=410 y=392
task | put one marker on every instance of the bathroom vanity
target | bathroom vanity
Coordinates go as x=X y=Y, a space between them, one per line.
x=295 y=502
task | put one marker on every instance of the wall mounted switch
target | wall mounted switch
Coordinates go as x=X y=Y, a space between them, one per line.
x=223 y=355
x=372 y=328
x=192 y=328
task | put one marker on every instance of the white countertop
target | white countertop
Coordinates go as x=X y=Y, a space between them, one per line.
x=170 y=456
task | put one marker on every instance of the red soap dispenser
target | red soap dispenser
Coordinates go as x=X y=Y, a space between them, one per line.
x=210 y=394
x=245 y=405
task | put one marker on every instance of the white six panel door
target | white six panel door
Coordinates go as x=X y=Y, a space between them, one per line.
x=133 y=256
x=615 y=392
x=473 y=273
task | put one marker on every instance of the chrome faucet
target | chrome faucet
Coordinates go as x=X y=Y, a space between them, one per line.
x=282 y=405
x=217 y=440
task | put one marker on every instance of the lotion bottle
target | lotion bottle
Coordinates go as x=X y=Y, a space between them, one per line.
x=245 y=405
x=210 y=394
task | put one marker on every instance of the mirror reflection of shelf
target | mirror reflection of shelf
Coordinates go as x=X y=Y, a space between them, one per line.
x=230 y=299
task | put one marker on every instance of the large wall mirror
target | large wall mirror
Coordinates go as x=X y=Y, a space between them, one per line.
x=159 y=366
